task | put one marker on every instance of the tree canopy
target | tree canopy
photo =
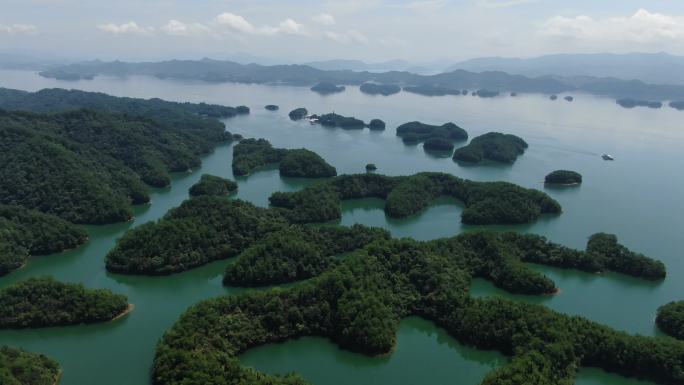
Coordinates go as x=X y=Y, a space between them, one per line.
x=213 y=185
x=417 y=132
x=26 y=232
x=18 y=367
x=563 y=177
x=670 y=319
x=494 y=146
x=250 y=154
x=41 y=302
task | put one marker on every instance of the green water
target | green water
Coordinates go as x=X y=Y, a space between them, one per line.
x=638 y=197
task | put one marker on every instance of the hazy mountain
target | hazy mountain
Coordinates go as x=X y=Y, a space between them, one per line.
x=302 y=75
x=656 y=68
x=358 y=65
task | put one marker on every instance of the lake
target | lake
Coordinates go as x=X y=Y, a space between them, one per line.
x=637 y=197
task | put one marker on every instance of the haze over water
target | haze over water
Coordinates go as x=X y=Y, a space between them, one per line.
x=637 y=197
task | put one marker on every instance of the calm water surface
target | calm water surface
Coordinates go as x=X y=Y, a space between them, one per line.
x=637 y=197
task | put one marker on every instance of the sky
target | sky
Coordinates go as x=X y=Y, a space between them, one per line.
x=419 y=31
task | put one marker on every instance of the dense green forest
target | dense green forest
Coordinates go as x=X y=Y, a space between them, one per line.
x=25 y=232
x=272 y=107
x=18 y=367
x=376 y=125
x=379 y=89
x=484 y=93
x=670 y=319
x=327 y=88
x=486 y=202
x=213 y=185
x=493 y=146
x=41 y=302
x=250 y=154
x=88 y=167
x=417 y=132
x=359 y=302
x=438 y=144
x=298 y=113
x=563 y=177
x=200 y=230
x=336 y=120
x=297 y=252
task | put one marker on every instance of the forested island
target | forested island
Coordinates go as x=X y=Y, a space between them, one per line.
x=25 y=232
x=677 y=105
x=200 y=230
x=631 y=103
x=485 y=202
x=18 y=367
x=379 y=89
x=209 y=228
x=431 y=90
x=359 y=302
x=327 y=88
x=250 y=154
x=272 y=107
x=376 y=125
x=494 y=146
x=438 y=138
x=563 y=177
x=553 y=97
x=670 y=319
x=569 y=98
x=484 y=93
x=337 y=120
x=89 y=167
x=42 y=302
x=296 y=253
x=212 y=185
x=371 y=167
x=298 y=113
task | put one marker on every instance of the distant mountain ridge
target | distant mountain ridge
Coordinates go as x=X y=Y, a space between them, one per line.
x=303 y=75
x=656 y=68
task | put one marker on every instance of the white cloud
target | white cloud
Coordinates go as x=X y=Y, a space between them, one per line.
x=130 y=28
x=642 y=27
x=179 y=28
x=324 y=19
x=18 y=28
x=237 y=23
x=351 y=36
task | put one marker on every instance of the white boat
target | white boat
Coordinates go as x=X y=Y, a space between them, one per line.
x=607 y=157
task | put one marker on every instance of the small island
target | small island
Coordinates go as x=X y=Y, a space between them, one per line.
x=213 y=185
x=327 y=88
x=670 y=319
x=569 y=98
x=417 y=132
x=18 y=367
x=494 y=146
x=251 y=154
x=272 y=107
x=431 y=90
x=25 y=232
x=438 y=144
x=298 y=113
x=336 y=120
x=376 y=125
x=43 y=302
x=563 y=178
x=242 y=110
x=514 y=94
x=484 y=93
x=631 y=103
x=371 y=167
x=379 y=89
x=677 y=105
x=303 y=163
x=553 y=97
